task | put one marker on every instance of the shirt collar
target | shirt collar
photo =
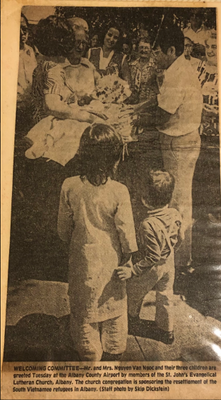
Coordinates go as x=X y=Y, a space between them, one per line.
x=192 y=30
x=135 y=62
x=67 y=63
x=199 y=30
x=84 y=61
x=157 y=212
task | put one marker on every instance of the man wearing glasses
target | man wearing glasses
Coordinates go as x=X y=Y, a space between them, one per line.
x=188 y=49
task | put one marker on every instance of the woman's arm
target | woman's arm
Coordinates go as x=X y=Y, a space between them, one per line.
x=59 y=109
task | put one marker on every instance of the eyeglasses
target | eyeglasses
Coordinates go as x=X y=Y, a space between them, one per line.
x=79 y=43
x=77 y=27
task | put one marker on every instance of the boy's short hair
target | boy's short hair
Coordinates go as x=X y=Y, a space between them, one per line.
x=159 y=188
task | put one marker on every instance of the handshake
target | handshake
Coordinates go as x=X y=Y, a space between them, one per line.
x=124 y=271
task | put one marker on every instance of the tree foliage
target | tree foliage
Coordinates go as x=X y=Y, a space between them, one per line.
x=131 y=19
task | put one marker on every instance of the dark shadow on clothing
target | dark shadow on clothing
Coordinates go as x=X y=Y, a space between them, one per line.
x=206 y=180
x=113 y=286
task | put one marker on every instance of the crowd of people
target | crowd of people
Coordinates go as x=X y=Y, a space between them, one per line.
x=166 y=94
x=132 y=59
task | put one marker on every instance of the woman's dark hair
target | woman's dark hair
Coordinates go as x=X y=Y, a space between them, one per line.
x=100 y=148
x=171 y=36
x=54 y=37
x=127 y=41
x=94 y=33
x=159 y=188
x=106 y=29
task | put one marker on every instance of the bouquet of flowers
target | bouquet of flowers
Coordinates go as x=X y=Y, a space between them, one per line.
x=111 y=92
x=120 y=116
x=112 y=89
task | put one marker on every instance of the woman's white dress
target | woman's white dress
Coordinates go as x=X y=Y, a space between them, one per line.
x=97 y=221
x=54 y=138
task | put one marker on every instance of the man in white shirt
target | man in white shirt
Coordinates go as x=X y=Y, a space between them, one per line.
x=179 y=118
x=197 y=33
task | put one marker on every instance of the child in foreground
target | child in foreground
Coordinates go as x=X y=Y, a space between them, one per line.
x=95 y=217
x=159 y=233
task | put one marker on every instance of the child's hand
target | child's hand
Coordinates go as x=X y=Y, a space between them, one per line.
x=124 y=273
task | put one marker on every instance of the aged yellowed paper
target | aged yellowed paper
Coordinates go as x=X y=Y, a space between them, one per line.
x=117 y=69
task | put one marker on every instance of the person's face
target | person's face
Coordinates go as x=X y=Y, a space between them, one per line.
x=143 y=33
x=23 y=32
x=144 y=50
x=125 y=48
x=188 y=48
x=211 y=51
x=80 y=45
x=94 y=41
x=162 y=60
x=195 y=21
x=111 y=38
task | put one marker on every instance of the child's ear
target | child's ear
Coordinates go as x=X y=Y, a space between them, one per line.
x=146 y=204
x=171 y=51
x=144 y=201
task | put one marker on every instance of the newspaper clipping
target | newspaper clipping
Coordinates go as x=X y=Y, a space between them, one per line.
x=111 y=277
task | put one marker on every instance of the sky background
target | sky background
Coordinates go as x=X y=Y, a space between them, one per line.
x=35 y=13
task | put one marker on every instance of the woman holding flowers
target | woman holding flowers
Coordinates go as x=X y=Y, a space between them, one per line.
x=62 y=84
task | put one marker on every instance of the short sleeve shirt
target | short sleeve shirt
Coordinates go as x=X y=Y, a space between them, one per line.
x=65 y=80
x=180 y=95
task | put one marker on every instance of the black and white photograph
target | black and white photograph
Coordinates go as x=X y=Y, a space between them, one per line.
x=115 y=237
